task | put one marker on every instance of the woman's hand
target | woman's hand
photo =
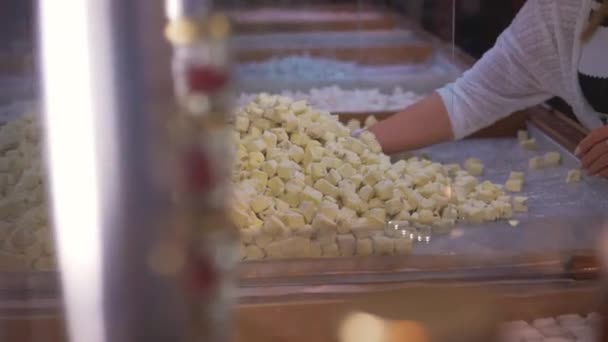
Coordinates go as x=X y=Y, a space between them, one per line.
x=593 y=152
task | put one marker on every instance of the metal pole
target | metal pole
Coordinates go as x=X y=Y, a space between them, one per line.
x=106 y=84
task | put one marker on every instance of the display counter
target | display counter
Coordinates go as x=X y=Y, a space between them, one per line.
x=317 y=292
x=538 y=263
x=315 y=313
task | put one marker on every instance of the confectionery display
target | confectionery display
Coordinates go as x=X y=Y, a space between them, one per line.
x=306 y=188
x=271 y=205
x=571 y=327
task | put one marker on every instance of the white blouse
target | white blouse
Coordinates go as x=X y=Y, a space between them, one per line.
x=537 y=57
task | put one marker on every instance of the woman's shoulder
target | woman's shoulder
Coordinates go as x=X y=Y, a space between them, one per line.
x=559 y=12
x=550 y=19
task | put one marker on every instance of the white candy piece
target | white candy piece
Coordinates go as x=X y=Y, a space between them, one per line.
x=332 y=98
x=528 y=144
x=513 y=223
x=261 y=203
x=520 y=204
x=514 y=185
x=517 y=175
x=254 y=253
x=353 y=125
x=23 y=208
x=365 y=247
x=474 y=166
x=330 y=250
x=552 y=159
x=536 y=163
x=383 y=245
x=370 y=121
x=347 y=244
x=574 y=176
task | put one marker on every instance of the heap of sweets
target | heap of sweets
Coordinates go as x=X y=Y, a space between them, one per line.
x=300 y=67
x=305 y=188
x=25 y=238
x=335 y=99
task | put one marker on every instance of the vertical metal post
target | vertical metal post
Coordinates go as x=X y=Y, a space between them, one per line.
x=106 y=85
x=145 y=249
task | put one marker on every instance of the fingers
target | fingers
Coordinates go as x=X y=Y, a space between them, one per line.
x=599 y=165
x=595 y=137
x=595 y=153
x=603 y=173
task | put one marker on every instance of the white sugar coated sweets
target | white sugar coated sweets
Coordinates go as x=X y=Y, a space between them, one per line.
x=520 y=204
x=528 y=144
x=353 y=125
x=536 y=163
x=474 y=166
x=517 y=175
x=565 y=328
x=253 y=252
x=347 y=244
x=305 y=187
x=365 y=247
x=514 y=223
x=514 y=185
x=26 y=237
x=383 y=245
x=338 y=100
x=574 y=176
x=370 y=121
x=552 y=159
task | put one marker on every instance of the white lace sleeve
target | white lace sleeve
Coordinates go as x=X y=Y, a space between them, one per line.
x=507 y=78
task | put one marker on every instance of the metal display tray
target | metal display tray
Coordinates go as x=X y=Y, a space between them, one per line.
x=561 y=216
x=564 y=220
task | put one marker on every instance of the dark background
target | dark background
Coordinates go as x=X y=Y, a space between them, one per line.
x=475 y=32
x=478 y=22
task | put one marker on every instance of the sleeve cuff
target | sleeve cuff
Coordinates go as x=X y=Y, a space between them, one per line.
x=447 y=96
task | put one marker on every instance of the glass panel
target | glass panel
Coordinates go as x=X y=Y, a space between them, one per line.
x=30 y=300
x=459 y=203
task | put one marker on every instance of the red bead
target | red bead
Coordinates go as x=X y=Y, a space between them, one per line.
x=198 y=172
x=202 y=276
x=206 y=79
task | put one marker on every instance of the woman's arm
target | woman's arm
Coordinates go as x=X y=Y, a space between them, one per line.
x=422 y=124
x=509 y=77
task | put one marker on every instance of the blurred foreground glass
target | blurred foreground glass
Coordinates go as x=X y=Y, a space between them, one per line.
x=145 y=251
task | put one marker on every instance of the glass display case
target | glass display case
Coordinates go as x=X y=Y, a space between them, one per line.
x=276 y=94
